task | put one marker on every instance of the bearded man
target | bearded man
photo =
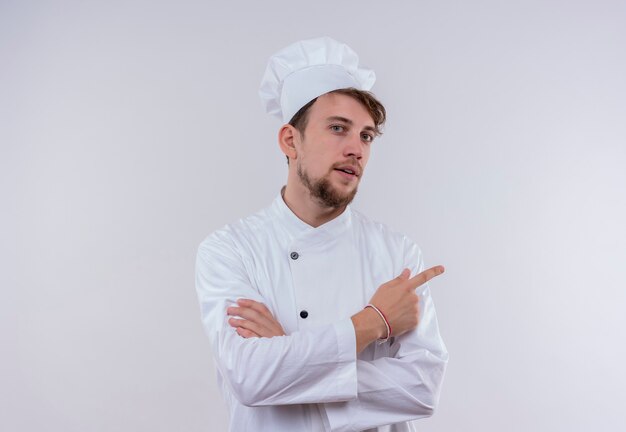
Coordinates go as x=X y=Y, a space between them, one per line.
x=320 y=319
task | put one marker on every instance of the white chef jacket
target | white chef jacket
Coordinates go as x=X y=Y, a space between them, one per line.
x=313 y=280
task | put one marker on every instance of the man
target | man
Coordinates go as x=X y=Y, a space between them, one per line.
x=313 y=318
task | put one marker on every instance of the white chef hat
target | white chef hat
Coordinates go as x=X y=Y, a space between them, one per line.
x=307 y=69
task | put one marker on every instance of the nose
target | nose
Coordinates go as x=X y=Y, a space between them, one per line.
x=354 y=147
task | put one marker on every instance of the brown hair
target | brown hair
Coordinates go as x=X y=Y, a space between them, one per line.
x=373 y=106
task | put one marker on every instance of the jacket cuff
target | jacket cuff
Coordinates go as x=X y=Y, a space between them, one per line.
x=347 y=381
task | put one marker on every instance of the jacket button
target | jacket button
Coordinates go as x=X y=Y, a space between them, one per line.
x=294 y=255
x=304 y=314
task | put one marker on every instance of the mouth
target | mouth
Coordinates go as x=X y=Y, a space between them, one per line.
x=347 y=173
x=349 y=170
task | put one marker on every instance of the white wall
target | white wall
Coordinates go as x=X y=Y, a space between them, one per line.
x=129 y=130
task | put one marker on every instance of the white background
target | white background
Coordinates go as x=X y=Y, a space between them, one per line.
x=130 y=130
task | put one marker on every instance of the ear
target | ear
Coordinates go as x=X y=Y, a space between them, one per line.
x=287 y=137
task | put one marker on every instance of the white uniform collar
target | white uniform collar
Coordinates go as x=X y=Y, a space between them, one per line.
x=296 y=227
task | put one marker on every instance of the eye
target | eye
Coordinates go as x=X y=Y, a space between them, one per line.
x=367 y=137
x=337 y=128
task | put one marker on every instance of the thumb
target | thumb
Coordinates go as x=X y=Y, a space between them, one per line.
x=405 y=274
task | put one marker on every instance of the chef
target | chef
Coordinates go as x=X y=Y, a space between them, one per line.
x=319 y=318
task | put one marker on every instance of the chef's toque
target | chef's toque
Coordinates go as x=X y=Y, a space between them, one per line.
x=307 y=69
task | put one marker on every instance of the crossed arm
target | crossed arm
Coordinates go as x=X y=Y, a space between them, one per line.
x=397 y=298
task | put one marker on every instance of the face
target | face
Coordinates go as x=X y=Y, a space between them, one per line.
x=335 y=148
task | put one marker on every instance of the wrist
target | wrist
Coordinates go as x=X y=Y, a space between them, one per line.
x=384 y=319
x=368 y=327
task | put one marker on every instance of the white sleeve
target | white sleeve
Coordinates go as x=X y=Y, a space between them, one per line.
x=312 y=366
x=404 y=386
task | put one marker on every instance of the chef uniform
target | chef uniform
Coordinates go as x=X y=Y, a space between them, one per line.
x=313 y=280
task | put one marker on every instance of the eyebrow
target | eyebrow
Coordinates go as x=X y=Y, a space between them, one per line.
x=350 y=122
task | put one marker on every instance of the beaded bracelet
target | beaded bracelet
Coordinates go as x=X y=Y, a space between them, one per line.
x=382 y=315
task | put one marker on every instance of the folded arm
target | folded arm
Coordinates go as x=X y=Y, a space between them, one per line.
x=391 y=389
x=400 y=386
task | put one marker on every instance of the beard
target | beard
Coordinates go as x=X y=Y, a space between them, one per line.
x=323 y=190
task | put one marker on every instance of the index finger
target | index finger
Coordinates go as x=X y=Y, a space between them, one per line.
x=425 y=276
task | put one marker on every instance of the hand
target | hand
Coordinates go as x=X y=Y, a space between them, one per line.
x=257 y=320
x=398 y=301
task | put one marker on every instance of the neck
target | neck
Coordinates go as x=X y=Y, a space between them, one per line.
x=307 y=208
